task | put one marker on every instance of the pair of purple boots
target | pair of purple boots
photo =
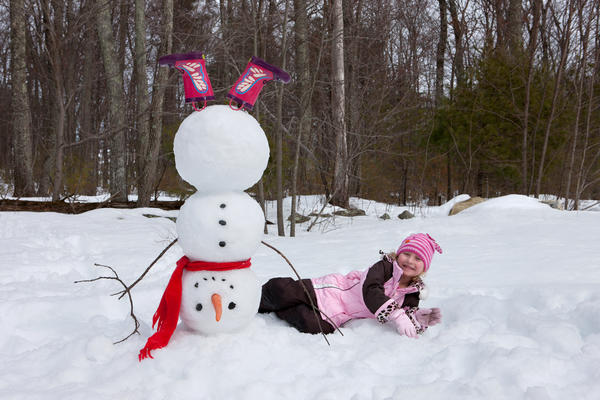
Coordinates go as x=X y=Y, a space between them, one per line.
x=245 y=91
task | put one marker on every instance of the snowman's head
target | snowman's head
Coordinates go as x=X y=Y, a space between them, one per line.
x=219 y=301
x=220 y=149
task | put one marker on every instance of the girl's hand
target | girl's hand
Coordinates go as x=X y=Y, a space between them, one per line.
x=403 y=324
x=428 y=316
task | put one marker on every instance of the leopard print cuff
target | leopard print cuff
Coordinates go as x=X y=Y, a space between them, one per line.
x=410 y=312
x=383 y=315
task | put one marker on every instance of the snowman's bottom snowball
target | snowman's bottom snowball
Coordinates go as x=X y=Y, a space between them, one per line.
x=239 y=293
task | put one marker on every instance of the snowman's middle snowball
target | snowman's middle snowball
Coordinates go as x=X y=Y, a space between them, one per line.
x=220 y=227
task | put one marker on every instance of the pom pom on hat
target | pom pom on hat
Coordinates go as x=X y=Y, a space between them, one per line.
x=422 y=245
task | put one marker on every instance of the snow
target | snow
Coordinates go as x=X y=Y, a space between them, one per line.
x=517 y=284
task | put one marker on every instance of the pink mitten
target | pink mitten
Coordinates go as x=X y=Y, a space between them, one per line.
x=428 y=316
x=403 y=324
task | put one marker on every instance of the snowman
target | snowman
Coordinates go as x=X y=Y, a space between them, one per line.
x=221 y=151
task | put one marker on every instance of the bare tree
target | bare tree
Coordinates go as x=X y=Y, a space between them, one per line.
x=158 y=95
x=89 y=111
x=338 y=103
x=279 y=132
x=514 y=27
x=565 y=41
x=584 y=28
x=55 y=42
x=531 y=50
x=459 y=50
x=23 y=146
x=143 y=159
x=116 y=101
x=304 y=114
x=583 y=172
x=441 y=53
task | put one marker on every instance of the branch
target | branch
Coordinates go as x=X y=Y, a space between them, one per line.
x=314 y=308
x=321 y=212
x=116 y=278
x=590 y=206
x=128 y=288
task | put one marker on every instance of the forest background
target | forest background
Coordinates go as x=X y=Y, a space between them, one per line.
x=409 y=101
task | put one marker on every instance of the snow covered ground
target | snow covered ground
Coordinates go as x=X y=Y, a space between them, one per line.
x=518 y=284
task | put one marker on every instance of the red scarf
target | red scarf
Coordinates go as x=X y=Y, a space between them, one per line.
x=167 y=313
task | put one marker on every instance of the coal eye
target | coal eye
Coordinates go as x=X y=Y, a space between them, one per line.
x=198 y=307
x=196 y=285
x=231 y=305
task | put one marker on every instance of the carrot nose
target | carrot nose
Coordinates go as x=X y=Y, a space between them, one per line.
x=216 y=300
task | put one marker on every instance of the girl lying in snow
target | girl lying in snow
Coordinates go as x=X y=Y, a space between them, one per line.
x=389 y=291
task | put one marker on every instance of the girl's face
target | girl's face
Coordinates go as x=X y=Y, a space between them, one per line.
x=411 y=264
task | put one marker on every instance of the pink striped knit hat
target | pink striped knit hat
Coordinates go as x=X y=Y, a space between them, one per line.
x=422 y=245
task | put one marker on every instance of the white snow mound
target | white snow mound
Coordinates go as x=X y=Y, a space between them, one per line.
x=511 y=202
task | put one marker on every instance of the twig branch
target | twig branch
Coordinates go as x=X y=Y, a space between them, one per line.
x=128 y=288
x=314 y=307
x=321 y=212
x=116 y=278
x=590 y=206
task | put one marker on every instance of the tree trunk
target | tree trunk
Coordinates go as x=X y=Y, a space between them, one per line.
x=581 y=74
x=439 y=80
x=116 y=104
x=87 y=108
x=580 y=186
x=279 y=133
x=440 y=55
x=457 y=27
x=530 y=69
x=23 y=139
x=514 y=27
x=55 y=57
x=338 y=100
x=557 y=83
x=144 y=180
x=256 y=18
x=301 y=33
x=44 y=95
x=158 y=95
